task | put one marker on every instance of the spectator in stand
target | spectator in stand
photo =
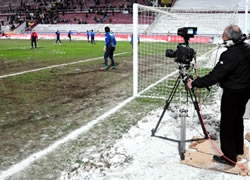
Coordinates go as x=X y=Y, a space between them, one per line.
x=3 y=34
x=92 y=35
x=34 y=39
x=69 y=35
x=58 y=36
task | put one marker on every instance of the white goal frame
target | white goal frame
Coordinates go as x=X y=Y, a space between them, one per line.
x=206 y=56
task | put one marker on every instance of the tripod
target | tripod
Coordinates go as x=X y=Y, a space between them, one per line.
x=183 y=77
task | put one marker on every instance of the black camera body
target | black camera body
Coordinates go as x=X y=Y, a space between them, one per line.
x=183 y=54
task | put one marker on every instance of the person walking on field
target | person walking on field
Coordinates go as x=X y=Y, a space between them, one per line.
x=132 y=40
x=88 y=35
x=69 y=35
x=232 y=73
x=109 y=48
x=58 y=36
x=92 y=37
x=34 y=39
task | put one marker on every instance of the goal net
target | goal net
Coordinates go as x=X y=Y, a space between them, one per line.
x=154 y=74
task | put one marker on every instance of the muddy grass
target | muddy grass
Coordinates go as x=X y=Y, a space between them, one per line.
x=34 y=115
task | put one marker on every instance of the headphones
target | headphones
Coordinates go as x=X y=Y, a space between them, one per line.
x=234 y=35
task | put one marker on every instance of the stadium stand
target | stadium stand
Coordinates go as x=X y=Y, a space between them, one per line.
x=212 y=10
x=94 y=18
x=211 y=4
x=172 y=22
x=14 y=13
x=23 y=15
x=82 y=28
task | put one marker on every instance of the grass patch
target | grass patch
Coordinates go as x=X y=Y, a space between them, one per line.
x=17 y=54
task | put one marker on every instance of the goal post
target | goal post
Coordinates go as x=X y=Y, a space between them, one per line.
x=154 y=74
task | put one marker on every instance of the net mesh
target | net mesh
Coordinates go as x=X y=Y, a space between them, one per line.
x=157 y=73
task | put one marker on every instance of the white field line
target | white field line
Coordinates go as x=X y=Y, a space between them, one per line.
x=54 y=66
x=73 y=135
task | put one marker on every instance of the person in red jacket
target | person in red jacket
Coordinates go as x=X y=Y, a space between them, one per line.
x=33 y=38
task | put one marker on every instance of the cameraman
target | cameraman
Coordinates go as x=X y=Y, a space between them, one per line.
x=232 y=73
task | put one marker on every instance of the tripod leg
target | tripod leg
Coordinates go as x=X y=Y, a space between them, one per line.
x=177 y=82
x=197 y=108
x=182 y=143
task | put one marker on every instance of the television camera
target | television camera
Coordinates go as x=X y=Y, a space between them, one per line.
x=183 y=54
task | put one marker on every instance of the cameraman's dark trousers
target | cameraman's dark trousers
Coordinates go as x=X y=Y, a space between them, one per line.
x=233 y=105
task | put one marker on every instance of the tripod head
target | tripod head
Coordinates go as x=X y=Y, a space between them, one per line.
x=184 y=70
x=184 y=73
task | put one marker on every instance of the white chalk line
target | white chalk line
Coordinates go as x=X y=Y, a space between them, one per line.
x=73 y=135
x=55 y=66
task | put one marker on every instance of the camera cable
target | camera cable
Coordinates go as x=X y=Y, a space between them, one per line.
x=241 y=166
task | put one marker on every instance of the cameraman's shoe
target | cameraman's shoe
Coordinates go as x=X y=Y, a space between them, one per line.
x=113 y=67
x=221 y=159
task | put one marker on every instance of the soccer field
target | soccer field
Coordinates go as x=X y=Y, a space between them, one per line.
x=60 y=112
x=65 y=90
x=38 y=108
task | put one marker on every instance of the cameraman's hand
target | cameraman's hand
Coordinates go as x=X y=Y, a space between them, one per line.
x=189 y=83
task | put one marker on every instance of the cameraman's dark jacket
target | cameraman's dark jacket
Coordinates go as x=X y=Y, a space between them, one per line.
x=232 y=71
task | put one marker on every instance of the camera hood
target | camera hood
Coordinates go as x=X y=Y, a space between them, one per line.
x=187 y=32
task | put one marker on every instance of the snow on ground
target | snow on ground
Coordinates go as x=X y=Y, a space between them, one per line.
x=139 y=156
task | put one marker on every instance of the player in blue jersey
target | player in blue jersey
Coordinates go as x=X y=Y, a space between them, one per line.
x=92 y=36
x=109 y=48
x=132 y=40
x=58 y=36
x=69 y=35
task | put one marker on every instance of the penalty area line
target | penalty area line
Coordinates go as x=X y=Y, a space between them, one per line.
x=71 y=136
x=55 y=66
